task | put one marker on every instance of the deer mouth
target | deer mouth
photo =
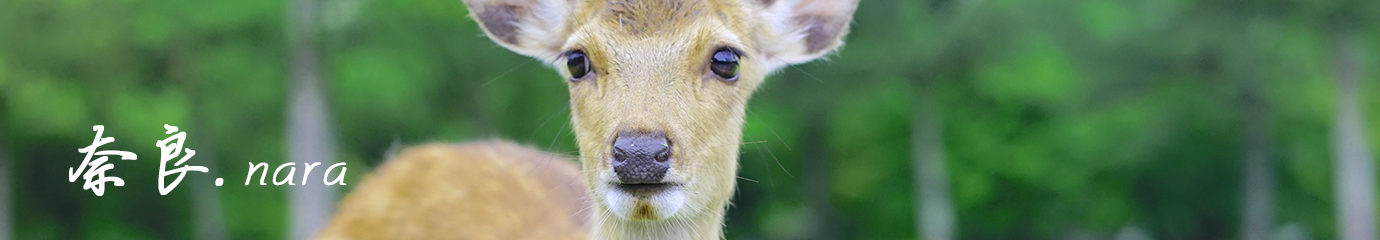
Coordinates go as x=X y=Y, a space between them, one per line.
x=644 y=189
x=645 y=201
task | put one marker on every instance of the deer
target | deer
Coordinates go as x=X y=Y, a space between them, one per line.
x=658 y=93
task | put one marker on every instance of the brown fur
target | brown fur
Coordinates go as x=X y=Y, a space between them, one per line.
x=642 y=18
x=444 y=191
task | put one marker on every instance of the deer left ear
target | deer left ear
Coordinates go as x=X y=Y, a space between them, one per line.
x=804 y=30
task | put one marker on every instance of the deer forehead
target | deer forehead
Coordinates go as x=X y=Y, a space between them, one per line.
x=658 y=20
x=643 y=18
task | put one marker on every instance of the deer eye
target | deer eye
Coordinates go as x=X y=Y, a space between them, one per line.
x=725 y=64
x=578 y=64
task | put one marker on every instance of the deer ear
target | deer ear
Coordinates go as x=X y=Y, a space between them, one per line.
x=535 y=28
x=804 y=30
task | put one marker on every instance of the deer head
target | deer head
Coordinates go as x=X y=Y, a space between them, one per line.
x=658 y=90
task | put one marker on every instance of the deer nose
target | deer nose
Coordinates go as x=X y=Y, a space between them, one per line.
x=640 y=158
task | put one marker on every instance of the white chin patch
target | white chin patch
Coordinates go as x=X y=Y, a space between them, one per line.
x=655 y=206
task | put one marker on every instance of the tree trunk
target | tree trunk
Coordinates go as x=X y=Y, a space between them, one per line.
x=815 y=177
x=1258 y=217
x=1354 y=177
x=205 y=201
x=1257 y=162
x=210 y=221
x=935 y=208
x=308 y=128
x=6 y=227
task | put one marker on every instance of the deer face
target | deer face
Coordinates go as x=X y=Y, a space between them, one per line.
x=658 y=108
x=658 y=88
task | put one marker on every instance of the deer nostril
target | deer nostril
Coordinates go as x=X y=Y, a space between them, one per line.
x=664 y=155
x=619 y=154
x=641 y=157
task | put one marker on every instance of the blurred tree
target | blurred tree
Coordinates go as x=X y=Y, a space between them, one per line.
x=206 y=203
x=1355 y=179
x=1258 y=215
x=6 y=214
x=935 y=215
x=1258 y=183
x=6 y=226
x=309 y=127
x=814 y=179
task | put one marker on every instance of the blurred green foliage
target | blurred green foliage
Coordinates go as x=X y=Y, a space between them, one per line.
x=1060 y=117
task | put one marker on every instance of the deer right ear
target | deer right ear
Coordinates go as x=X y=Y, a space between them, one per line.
x=536 y=28
x=803 y=30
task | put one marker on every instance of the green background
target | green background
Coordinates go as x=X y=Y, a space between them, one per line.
x=1060 y=119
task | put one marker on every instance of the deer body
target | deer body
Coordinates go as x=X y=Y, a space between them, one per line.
x=485 y=190
x=658 y=93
